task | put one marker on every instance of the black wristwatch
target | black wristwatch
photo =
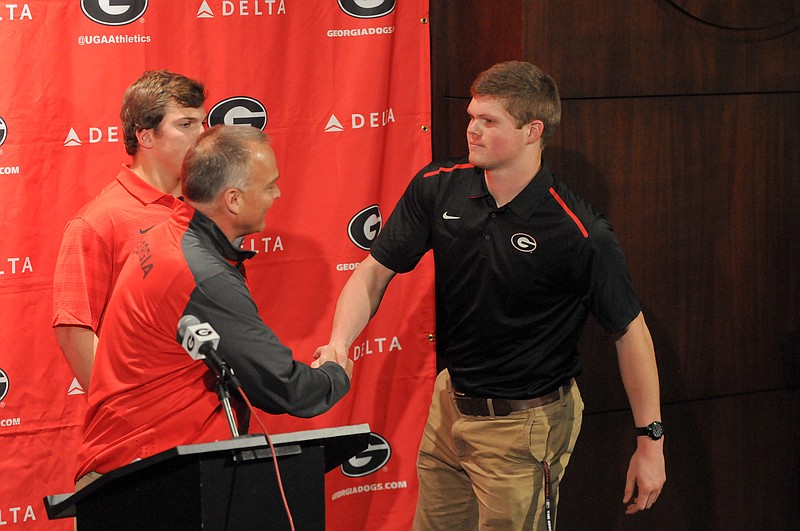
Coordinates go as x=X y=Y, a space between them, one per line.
x=654 y=430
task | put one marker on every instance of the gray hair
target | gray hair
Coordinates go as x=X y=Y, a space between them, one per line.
x=220 y=158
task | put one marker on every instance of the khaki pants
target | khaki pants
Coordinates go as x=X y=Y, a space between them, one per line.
x=82 y=483
x=486 y=472
x=87 y=479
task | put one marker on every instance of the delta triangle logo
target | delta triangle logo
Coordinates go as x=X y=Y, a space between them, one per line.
x=205 y=11
x=72 y=138
x=334 y=125
x=75 y=388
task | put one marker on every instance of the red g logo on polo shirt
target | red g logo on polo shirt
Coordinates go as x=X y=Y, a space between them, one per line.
x=523 y=242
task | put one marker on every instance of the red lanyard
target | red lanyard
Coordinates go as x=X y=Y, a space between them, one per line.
x=548 y=504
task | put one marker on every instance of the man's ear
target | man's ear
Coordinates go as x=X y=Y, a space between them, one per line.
x=233 y=200
x=145 y=137
x=535 y=131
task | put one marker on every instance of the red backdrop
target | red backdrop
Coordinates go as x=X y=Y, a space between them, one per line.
x=343 y=88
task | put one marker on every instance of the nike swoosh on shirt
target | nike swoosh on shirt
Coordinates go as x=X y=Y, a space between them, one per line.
x=143 y=231
x=448 y=216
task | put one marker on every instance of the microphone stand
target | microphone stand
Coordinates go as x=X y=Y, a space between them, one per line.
x=225 y=381
x=225 y=378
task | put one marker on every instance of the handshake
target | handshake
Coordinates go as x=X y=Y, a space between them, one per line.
x=334 y=353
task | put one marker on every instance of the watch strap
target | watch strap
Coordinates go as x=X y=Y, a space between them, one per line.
x=654 y=430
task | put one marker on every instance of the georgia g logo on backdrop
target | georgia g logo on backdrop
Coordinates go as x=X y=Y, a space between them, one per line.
x=4 y=385
x=365 y=226
x=239 y=110
x=367 y=8
x=3 y=130
x=370 y=460
x=113 y=12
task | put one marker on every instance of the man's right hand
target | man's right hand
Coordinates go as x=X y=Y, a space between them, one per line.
x=336 y=354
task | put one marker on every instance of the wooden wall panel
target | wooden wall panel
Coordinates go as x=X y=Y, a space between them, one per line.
x=732 y=464
x=621 y=48
x=651 y=47
x=478 y=32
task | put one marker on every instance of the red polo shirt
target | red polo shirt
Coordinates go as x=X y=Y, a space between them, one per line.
x=96 y=243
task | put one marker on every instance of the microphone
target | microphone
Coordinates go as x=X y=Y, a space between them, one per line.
x=200 y=341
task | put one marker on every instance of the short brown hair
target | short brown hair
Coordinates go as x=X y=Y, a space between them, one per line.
x=526 y=92
x=145 y=102
x=219 y=158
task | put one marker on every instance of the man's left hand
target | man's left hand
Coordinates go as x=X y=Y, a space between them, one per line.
x=646 y=475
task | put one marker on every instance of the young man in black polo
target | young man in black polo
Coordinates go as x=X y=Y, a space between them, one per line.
x=520 y=261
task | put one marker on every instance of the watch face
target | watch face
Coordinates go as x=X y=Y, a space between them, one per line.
x=657 y=430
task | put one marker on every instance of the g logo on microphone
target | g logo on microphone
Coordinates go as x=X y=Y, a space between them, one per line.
x=523 y=242
x=367 y=8
x=370 y=460
x=365 y=226
x=199 y=332
x=239 y=110
x=113 y=12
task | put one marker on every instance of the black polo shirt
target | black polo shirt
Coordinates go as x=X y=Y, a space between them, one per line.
x=514 y=284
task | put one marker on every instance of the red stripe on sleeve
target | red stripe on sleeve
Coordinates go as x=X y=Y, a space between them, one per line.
x=570 y=212
x=447 y=170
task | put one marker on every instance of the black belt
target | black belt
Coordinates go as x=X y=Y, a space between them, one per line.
x=500 y=407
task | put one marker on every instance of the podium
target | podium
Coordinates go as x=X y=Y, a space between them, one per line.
x=224 y=485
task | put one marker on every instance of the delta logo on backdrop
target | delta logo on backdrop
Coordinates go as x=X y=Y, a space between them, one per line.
x=370 y=120
x=15 y=12
x=243 y=8
x=94 y=135
x=16 y=265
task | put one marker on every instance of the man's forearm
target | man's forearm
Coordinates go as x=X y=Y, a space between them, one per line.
x=358 y=302
x=78 y=345
x=639 y=372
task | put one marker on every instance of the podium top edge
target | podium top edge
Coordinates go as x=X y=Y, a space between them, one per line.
x=322 y=433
